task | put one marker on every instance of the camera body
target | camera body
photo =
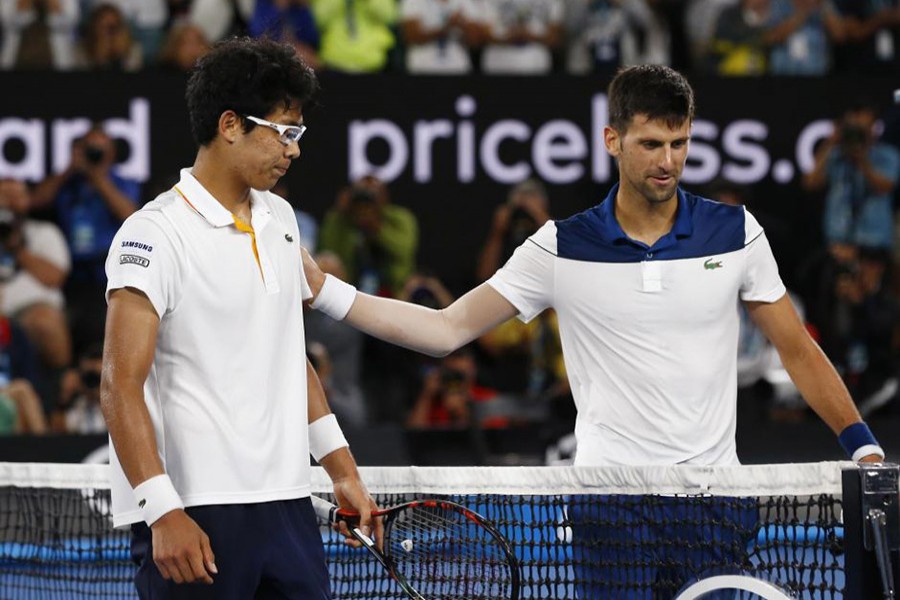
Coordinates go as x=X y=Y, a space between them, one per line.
x=853 y=136
x=94 y=154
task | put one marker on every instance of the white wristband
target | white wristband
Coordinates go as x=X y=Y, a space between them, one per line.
x=156 y=497
x=325 y=436
x=864 y=451
x=335 y=298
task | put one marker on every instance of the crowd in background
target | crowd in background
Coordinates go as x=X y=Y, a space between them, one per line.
x=726 y=37
x=52 y=278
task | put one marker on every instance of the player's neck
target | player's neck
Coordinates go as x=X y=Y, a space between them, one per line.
x=642 y=220
x=222 y=183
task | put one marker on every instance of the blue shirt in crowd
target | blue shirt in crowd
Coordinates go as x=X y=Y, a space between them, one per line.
x=88 y=224
x=854 y=213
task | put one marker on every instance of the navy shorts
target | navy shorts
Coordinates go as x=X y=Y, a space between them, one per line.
x=647 y=548
x=267 y=550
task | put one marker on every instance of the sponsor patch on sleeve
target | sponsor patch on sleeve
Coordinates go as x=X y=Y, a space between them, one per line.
x=137 y=245
x=131 y=259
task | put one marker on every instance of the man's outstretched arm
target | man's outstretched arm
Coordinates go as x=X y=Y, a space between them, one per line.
x=432 y=332
x=809 y=368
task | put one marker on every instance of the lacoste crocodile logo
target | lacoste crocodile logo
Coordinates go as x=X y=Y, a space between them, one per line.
x=710 y=265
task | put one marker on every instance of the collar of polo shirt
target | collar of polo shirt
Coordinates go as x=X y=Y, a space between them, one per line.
x=212 y=210
x=611 y=231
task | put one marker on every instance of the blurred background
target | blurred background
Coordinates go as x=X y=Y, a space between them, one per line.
x=448 y=131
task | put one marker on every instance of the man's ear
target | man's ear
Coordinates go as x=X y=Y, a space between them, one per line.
x=231 y=126
x=613 y=141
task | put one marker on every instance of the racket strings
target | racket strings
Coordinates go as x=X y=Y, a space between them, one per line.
x=444 y=554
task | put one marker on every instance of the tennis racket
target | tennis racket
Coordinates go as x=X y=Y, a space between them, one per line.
x=435 y=549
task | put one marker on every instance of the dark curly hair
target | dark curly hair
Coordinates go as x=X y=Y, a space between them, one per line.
x=250 y=77
x=653 y=90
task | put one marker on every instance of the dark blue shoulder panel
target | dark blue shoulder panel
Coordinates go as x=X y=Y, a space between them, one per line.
x=594 y=235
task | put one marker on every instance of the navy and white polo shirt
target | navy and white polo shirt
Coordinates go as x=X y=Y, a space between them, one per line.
x=649 y=333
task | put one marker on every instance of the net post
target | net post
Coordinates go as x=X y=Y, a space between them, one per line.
x=868 y=487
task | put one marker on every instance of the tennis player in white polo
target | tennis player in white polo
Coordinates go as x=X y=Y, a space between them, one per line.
x=212 y=406
x=646 y=286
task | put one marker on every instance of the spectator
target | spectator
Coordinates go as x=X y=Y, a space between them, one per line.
x=20 y=406
x=38 y=34
x=520 y=358
x=448 y=393
x=802 y=32
x=185 y=44
x=858 y=325
x=37 y=259
x=438 y=34
x=375 y=239
x=859 y=175
x=91 y=201
x=288 y=21
x=335 y=349
x=700 y=18
x=356 y=34
x=425 y=289
x=523 y=213
x=107 y=43
x=220 y=19
x=147 y=20
x=739 y=46
x=873 y=36
x=522 y=36
x=79 y=407
x=607 y=34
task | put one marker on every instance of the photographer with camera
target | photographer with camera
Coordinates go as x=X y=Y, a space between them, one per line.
x=91 y=201
x=34 y=263
x=448 y=391
x=523 y=213
x=859 y=175
x=78 y=410
x=376 y=240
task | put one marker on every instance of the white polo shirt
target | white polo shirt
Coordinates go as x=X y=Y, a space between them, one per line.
x=227 y=387
x=649 y=334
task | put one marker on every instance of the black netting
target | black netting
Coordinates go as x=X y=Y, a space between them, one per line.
x=59 y=544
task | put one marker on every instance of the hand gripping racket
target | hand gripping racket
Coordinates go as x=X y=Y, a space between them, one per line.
x=435 y=549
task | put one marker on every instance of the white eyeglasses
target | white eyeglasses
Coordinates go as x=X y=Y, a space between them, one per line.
x=287 y=134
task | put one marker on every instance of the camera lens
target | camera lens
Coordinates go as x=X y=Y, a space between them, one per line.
x=93 y=155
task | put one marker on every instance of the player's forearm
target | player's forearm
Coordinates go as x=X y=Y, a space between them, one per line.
x=131 y=430
x=821 y=386
x=340 y=465
x=409 y=325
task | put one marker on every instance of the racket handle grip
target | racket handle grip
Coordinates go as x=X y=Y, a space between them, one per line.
x=324 y=509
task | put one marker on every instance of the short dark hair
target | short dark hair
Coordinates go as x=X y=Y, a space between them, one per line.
x=250 y=77
x=653 y=90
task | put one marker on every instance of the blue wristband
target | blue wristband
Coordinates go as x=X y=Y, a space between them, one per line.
x=855 y=436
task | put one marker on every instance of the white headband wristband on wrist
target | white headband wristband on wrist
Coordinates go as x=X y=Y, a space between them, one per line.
x=325 y=436
x=335 y=298
x=157 y=496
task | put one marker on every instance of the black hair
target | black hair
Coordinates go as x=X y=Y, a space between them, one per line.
x=656 y=91
x=249 y=76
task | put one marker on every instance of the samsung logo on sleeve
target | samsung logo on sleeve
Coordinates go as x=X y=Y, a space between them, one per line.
x=137 y=246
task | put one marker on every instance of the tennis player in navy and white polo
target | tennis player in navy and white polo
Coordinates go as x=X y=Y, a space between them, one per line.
x=211 y=404
x=646 y=286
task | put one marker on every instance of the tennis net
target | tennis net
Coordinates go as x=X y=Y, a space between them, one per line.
x=578 y=532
